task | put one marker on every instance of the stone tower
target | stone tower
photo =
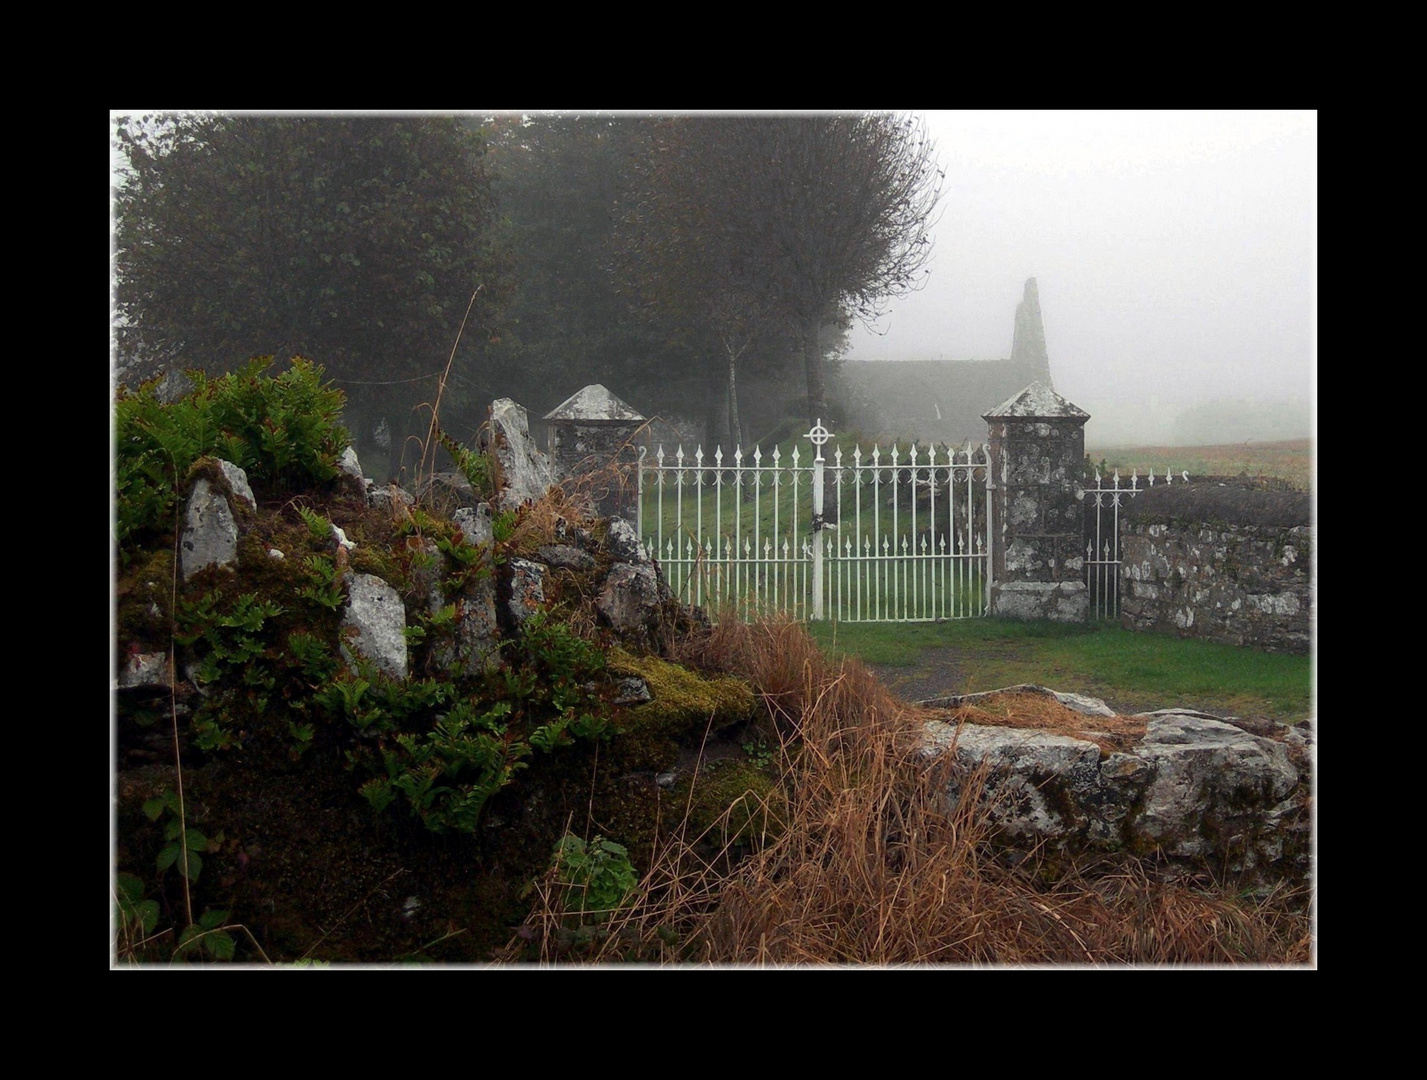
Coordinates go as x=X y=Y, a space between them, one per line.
x=1028 y=340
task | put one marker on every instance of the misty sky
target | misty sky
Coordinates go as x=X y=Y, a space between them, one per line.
x=1175 y=252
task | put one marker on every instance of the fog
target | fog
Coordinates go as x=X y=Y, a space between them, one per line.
x=1175 y=255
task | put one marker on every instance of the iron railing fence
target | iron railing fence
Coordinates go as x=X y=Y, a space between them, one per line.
x=1103 y=538
x=899 y=535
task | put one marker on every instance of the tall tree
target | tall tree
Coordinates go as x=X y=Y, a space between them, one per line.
x=821 y=218
x=680 y=246
x=357 y=241
x=557 y=180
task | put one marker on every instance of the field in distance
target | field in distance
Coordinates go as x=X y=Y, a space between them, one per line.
x=1290 y=460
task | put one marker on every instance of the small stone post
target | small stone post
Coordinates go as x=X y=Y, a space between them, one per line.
x=592 y=437
x=1037 y=443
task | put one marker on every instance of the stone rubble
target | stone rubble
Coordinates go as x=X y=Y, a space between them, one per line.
x=1195 y=787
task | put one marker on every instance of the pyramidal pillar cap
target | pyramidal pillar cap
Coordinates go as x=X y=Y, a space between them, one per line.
x=594 y=402
x=1038 y=402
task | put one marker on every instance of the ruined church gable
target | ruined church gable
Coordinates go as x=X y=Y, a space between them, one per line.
x=944 y=400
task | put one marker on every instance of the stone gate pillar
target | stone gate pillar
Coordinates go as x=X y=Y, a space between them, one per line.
x=592 y=443
x=1037 y=441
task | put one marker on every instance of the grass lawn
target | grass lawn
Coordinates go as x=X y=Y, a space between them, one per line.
x=1102 y=660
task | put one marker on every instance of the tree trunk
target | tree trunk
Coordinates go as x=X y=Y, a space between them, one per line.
x=716 y=422
x=735 y=429
x=813 y=360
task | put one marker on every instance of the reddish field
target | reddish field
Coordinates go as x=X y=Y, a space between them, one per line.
x=1291 y=460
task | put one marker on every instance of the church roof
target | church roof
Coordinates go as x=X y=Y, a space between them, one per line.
x=947 y=400
x=934 y=400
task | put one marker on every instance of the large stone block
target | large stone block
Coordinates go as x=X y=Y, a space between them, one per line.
x=210 y=530
x=1058 y=601
x=374 y=625
x=1193 y=788
x=525 y=473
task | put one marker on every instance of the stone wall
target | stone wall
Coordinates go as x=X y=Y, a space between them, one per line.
x=1227 y=560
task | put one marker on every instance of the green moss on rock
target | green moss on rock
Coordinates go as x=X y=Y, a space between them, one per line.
x=735 y=802
x=685 y=702
x=143 y=613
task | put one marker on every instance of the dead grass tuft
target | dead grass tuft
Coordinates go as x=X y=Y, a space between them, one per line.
x=605 y=482
x=1040 y=712
x=873 y=867
x=547 y=520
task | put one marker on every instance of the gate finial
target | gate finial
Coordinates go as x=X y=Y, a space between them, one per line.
x=818 y=436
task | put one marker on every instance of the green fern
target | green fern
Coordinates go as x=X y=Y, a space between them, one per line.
x=475 y=467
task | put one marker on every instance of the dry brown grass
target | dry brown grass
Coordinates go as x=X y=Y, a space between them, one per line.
x=1040 y=712
x=873 y=868
x=600 y=478
x=542 y=521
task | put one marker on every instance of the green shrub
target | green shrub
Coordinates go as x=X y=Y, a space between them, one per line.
x=448 y=774
x=598 y=877
x=282 y=431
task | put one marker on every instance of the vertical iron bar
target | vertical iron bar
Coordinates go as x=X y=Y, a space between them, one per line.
x=931 y=529
x=818 y=435
x=986 y=555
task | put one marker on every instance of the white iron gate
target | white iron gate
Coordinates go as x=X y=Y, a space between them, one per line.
x=1102 y=538
x=877 y=537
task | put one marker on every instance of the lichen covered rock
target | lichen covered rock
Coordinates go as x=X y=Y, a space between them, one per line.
x=374 y=625
x=1193 y=787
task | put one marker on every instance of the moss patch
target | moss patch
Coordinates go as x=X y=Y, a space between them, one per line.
x=735 y=803
x=685 y=702
x=143 y=612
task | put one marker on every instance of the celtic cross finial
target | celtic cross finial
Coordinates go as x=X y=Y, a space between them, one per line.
x=818 y=436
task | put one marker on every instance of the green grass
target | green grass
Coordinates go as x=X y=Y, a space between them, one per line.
x=852 y=591
x=1101 y=660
